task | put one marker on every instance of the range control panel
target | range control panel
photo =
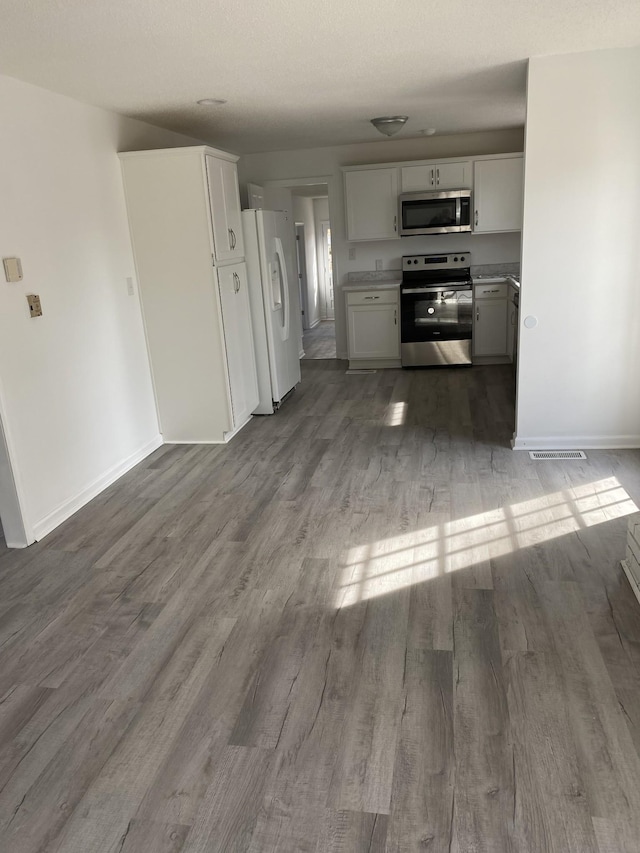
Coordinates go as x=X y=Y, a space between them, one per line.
x=454 y=260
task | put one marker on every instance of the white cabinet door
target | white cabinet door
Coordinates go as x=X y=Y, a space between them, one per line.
x=372 y=204
x=224 y=199
x=490 y=327
x=373 y=331
x=452 y=176
x=238 y=341
x=416 y=178
x=436 y=176
x=498 y=194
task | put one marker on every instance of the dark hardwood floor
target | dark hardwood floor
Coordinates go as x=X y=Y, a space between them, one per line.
x=363 y=625
x=320 y=342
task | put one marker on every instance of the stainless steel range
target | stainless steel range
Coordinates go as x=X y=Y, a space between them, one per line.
x=436 y=310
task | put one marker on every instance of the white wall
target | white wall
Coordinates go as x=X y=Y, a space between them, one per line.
x=579 y=380
x=77 y=403
x=318 y=162
x=303 y=212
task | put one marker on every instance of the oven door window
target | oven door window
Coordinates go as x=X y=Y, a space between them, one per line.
x=437 y=213
x=437 y=316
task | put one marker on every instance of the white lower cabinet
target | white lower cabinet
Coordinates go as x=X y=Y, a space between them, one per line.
x=490 y=320
x=373 y=326
x=238 y=342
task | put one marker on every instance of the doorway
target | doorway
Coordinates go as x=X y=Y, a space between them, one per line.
x=313 y=239
x=309 y=202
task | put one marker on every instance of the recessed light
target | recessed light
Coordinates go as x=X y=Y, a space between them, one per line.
x=428 y=131
x=211 y=102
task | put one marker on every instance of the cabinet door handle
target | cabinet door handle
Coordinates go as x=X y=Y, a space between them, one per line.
x=431 y=181
x=438 y=177
x=232 y=239
x=477 y=314
x=372 y=297
x=476 y=218
x=236 y=283
x=395 y=316
x=395 y=222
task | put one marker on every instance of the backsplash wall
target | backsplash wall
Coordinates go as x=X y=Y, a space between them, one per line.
x=483 y=249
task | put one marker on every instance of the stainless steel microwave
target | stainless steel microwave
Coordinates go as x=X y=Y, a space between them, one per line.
x=434 y=213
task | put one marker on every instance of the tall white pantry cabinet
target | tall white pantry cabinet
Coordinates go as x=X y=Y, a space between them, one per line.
x=184 y=215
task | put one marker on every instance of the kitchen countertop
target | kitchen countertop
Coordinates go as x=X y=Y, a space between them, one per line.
x=494 y=279
x=390 y=284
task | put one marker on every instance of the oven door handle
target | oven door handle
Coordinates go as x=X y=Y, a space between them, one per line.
x=434 y=288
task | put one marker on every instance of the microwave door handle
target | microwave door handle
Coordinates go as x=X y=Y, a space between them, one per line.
x=458 y=211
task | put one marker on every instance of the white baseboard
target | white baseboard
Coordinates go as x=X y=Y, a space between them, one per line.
x=576 y=442
x=313 y=325
x=633 y=583
x=69 y=507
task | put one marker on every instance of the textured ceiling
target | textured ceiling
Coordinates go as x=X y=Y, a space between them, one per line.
x=299 y=74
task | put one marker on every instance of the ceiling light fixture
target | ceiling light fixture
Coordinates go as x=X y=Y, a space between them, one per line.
x=429 y=131
x=389 y=125
x=210 y=102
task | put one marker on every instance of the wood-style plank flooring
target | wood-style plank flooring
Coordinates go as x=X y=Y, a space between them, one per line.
x=320 y=342
x=363 y=625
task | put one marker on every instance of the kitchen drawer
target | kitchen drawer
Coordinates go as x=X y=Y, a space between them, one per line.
x=372 y=297
x=497 y=290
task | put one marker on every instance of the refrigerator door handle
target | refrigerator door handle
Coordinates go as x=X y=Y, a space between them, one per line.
x=285 y=288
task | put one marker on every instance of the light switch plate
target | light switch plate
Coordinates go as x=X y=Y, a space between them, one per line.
x=12 y=269
x=35 y=308
x=352 y=253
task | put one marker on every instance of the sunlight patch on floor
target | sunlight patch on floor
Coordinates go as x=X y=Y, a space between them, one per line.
x=396 y=414
x=387 y=565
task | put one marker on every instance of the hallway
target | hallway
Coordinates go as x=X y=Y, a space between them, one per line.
x=320 y=342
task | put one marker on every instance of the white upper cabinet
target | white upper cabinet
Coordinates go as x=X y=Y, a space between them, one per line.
x=372 y=203
x=498 y=194
x=224 y=199
x=436 y=176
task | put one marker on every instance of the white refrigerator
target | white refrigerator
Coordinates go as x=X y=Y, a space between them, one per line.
x=275 y=309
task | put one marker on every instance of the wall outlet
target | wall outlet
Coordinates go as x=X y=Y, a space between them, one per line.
x=352 y=253
x=379 y=264
x=35 y=308
x=130 y=286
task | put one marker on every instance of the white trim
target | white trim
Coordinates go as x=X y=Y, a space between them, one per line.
x=633 y=583
x=299 y=182
x=577 y=442
x=69 y=507
x=317 y=323
x=508 y=155
x=227 y=437
x=20 y=533
x=181 y=151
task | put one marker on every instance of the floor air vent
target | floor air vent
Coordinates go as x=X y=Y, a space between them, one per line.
x=557 y=454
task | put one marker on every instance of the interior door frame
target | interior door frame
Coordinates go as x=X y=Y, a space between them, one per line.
x=303 y=284
x=16 y=528
x=334 y=195
x=325 y=225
